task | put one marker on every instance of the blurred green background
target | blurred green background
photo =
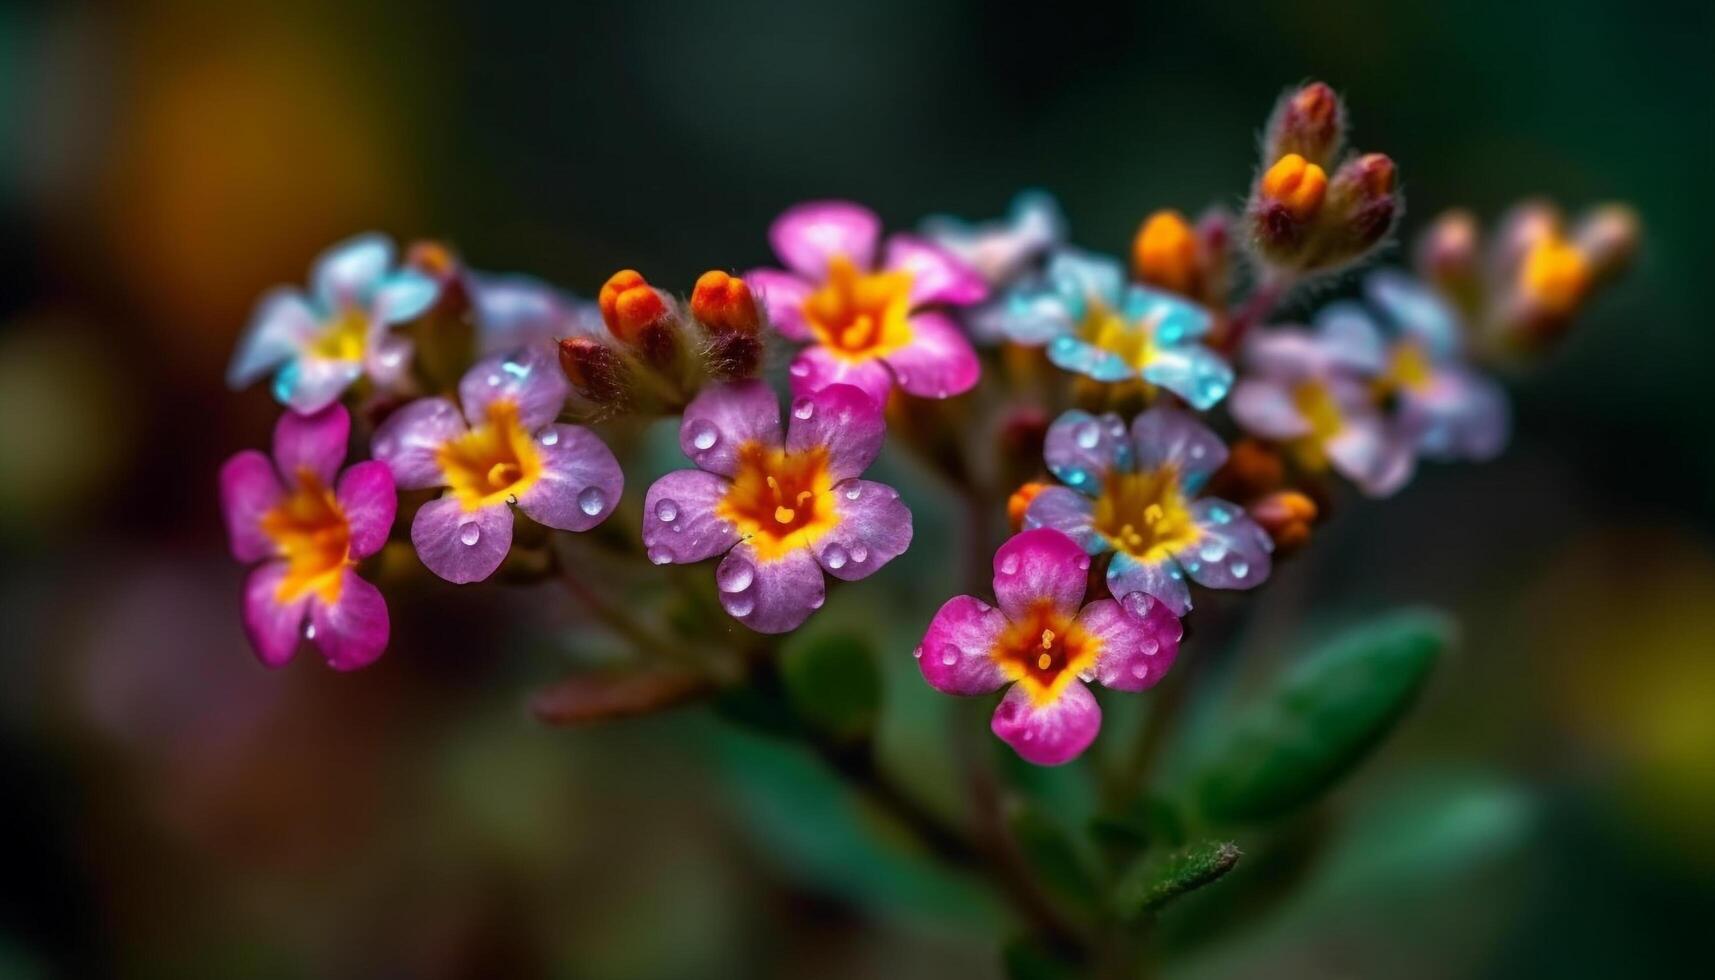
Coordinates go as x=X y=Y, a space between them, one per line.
x=172 y=809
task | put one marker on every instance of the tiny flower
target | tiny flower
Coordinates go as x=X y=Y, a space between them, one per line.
x=782 y=510
x=318 y=345
x=1046 y=647
x=1136 y=494
x=309 y=525
x=505 y=450
x=870 y=325
x=1001 y=251
x=1094 y=324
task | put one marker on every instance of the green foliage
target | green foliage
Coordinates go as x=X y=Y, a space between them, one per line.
x=1027 y=959
x=1325 y=716
x=1149 y=885
x=832 y=683
x=1053 y=856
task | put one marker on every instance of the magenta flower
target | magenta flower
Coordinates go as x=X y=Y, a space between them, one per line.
x=870 y=326
x=505 y=450
x=1041 y=642
x=309 y=524
x=782 y=511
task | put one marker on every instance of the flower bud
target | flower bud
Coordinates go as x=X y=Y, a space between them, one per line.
x=1447 y=251
x=1287 y=516
x=724 y=304
x=1294 y=185
x=1309 y=122
x=1553 y=277
x=640 y=317
x=1164 y=253
x=1253 y=468
x=1019 y=502
x=733 y=355
x=1608 y=237
x=596 y=371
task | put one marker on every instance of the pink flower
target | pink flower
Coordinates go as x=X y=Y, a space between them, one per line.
x=1041 y=642
x=309 y=524
x=783 y=511
x=505 y=450
x=871 y=326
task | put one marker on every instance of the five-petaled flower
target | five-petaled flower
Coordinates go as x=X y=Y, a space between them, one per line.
x=1135 y=493
x=1095 y=324
x=1040 y=641
x=309 y=524
x=505 y=450
x=318 y=345
x=871 y=326
x=783 y=511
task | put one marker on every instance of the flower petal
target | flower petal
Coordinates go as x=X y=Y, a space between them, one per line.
x=1414 y=309
x=816 y=368
x=281 y=327
x=1140 y=637
x=461 y=545
x=1069 y=353
x=1349 y=338
x=680 y=525
x=1264 y=407
x=1462 y=415
x=310 y=384
x=1048 y=734
x=1163 y=579
x=249 y=487
x=312 y=444
x=515 y=311
x=274 y=627
x=845 y=420
x=524 y=377
x=409 y=441
x=352 y=632
x=369 y=501
x=1031 y=313
x=1231 y=551
x=1191 y=371
x=807 y=235
x=874 y=528
x=770 y=596
x=724 y=417
x=1166 y=436
x=1082 y=449
x=387 y=361
x=938 y=362
x=346 y=275
x=1378 y=456
x=1069 y=512
x=937 y=276
x=402 y=296
x=782 y=294
x=1036 y=565
x=1000 y=250
x=1085 y=277
x=580 y=482
x=956 y=655
x=1171 y=320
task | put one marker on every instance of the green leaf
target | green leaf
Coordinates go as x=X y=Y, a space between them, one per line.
x=1149 y=885
x=1052 y=855
x=833 y=684
x=1028 y=959
x=1325 y=717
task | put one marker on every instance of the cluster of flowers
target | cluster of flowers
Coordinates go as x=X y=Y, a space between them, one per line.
x=1148 y=498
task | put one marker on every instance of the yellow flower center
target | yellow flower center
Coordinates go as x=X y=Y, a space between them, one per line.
x=1554 y=275
x=343 y=338
x=1145 y=515
x=1108 y=330
x=1408 y=367
x=860 y=315
x=492 y=463
x=780 y=501
x=310 y=532
x=1044 y=650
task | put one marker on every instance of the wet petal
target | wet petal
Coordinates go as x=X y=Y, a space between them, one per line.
x=249 y=487
x=938 y=362
x=310 y=384
x=782 y=294
x=956 y=653
x=402 y=296
x=387 y=360
x=461 y=545
x=1378 y=456
x=1082 y=449
x=773 y=596
x=1048 y=734
x=517 y=311
x=1193 y=372
x=1085 y=278
x=1462 y=415
x=281 y=327
x=410 y=440
x=1171 y=320
x=353 y=631
x=680 y=525
x=1068 y=353
x=313 y=444
x=346 y=275
x=368 y=500
x=845 y=420
x=1140 y=637
x=936 y=275
x=580 y=483
x=807 y=235
x=1032 y=313
x=1264 y=407
x=1231 y=551
x=816 y=368
x=1163 y=579
x=1414 y=309
x=1069 y=512
x=1036 y=565
x=524 y=377
x=1165 y=436
x=874 y=528
x=274 y=627
x=724 y=417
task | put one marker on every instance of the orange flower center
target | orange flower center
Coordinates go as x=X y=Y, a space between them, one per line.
x=779 y=500
x=1145 y=514
x=860 y=315
x=494 y=462
x=1044 y=650
x=310 y=532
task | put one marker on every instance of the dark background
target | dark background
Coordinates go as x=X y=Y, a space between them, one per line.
x=172 y=809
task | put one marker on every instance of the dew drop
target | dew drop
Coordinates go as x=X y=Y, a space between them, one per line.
x=1140 y=670
x=1214 y=551
x=1084 y=563
x=816 y=603
x=834 y=557
x=666 y=510
x=1088 y=435
x=735 y=575
x=550 y=437
x=1198 y=450
x=918 y=653
x=799 y=369
x=592 y=501
x=493 y=380
x=1009 y=565
x=1240 y=569
x=309 y=631
x=704 y=436
x=804 y=409
x=949 y=655
x=854 y=492
x=860 y=554
x=1220 y=514
x=470 y=534
x=1150 y=647
x=740 y=605
x=660 y=555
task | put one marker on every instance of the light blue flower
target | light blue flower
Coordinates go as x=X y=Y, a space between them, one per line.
x=317 y=345
x=1004 y=249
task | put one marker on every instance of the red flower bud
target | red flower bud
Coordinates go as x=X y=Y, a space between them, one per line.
x=596 y=371
x=1287 y=516
x=1310 y=122
x=724 y=304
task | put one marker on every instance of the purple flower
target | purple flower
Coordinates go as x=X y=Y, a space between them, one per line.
x=318 y=345
x=309 y=524
x=870 y=325
x=1041 y=642
x=505 y=450
x=1135 y=494
x=783 y=511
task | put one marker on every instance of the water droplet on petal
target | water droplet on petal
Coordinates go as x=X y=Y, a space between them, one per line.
x=660 y=555
x=493 y=380
x=309 y=631
x=834 y=557
x=1213 y=551
x=1009 y=565
x=666 y=510
x=949 y=655
x=1150 y=647
x=740 y=605
x=803 y=409
x=799 y=369
x=860 y=554
x=1084 y=563
x=1140 y=670
x=816 y=603
x=1088 y=435
x=1198 y=450
x=1240 y=569
x=735 y=575
x=592 y=501
x=549 y=437
x=704 y=436
x=470 y=534
x=918 y=653
x=855 y=492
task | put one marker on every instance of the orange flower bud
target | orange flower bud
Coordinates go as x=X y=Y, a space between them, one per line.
x=1287 y=516
x=1019 y=502
x=1554 y=276
x=1164 y=253
x=630 y=306
x=595 y=370
x=724 y=303
x=1295 y=184
x=1253 y=468
x=433 y=259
